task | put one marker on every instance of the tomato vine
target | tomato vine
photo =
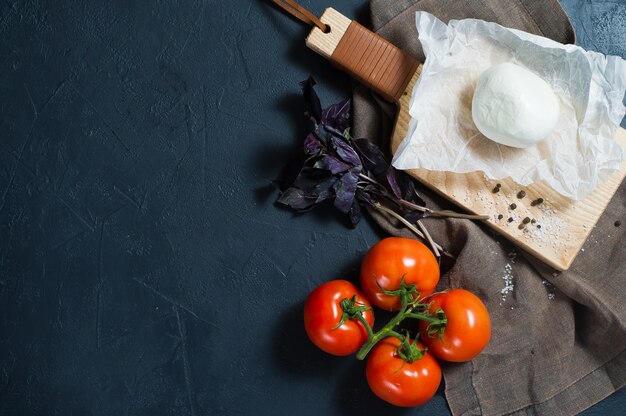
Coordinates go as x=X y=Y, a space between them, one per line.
x=412 y=306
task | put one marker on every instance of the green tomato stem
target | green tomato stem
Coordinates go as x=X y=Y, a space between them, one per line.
x=406 y=311
x=368 y=328
x=386 y=331
x=428 y=318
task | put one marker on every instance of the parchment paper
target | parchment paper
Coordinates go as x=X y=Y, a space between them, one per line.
x=579 y=154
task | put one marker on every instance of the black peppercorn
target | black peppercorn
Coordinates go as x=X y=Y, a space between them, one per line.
x=496 y=190
x=526 y=220
x=500 y=216
x=521 y=226
x=510 y=219
x=513 y=206
x=538 y=225
x=521 y=194
x=533 y=221
x=536 y=202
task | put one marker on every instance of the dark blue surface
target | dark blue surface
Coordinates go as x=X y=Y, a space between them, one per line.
x=144 y=268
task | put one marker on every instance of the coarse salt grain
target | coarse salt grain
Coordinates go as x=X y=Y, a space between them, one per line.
x=508 y=282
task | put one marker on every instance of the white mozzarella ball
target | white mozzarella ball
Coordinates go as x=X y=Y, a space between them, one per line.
x=513 y=106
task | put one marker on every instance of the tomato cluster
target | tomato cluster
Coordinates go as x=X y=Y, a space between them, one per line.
x=398 y=274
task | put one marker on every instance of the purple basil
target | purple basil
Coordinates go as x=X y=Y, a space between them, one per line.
x=393 y=182
x=331 y=164
x=345 y=189
x=337 y=115
x=312 y=145
x=297 y=199
x=335 y=167
x=345 y=151
x=409 y=191
x=372 y=156
x=316 y=184
x=355 y=213
x=312 y=103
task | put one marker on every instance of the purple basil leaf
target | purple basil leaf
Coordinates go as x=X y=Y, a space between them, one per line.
x=316 y=183
x=289 y=173
x=312 y=104
x=326 y=190
x=345 y=151
x=337 y=115
x=322 y=134
x=312 y=145
x=333 y=131
x=373 y=157
x=297 y=199
x=331 y=164
x=355 y=213
x=325 y=133
x=409 y=192
x=392 y=180
x=345 y=190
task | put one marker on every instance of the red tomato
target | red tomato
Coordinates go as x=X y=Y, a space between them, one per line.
x=392 y=259
x=468 y=329
x=322 y=313
x=399 y=382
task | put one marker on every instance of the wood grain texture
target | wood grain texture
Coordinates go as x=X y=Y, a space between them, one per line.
x=374 y=62
x=326 y=43
x=364 y=55
x=565 y=224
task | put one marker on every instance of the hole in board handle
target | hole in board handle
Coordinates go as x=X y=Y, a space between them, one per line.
x=327 y=29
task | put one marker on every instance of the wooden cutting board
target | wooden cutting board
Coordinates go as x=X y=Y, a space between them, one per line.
x=558 y=226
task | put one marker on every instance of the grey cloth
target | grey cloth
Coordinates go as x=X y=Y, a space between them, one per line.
x=558 y=339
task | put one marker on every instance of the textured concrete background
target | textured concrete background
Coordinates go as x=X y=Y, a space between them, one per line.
x=144 y=268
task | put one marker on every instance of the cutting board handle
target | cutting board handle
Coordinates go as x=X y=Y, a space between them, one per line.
x=364 y=55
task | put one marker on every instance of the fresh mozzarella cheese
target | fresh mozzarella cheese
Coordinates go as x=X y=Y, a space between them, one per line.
x=513 y=106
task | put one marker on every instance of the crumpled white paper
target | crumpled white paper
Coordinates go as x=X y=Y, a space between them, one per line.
x=580 y=153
